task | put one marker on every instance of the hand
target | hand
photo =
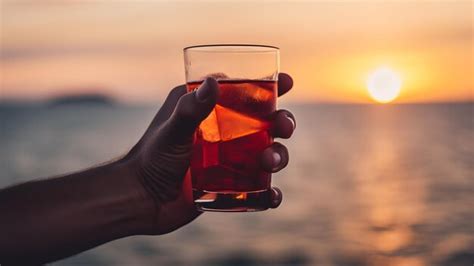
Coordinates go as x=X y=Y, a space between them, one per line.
x=162 y=156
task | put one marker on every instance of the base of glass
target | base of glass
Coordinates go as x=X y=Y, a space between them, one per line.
x=232 y=201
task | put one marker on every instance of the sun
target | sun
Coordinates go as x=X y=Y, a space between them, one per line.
x=384 y=85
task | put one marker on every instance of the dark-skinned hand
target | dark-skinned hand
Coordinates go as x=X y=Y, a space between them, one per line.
x=161 y=158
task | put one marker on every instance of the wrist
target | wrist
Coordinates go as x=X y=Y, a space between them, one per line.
x=139 y=206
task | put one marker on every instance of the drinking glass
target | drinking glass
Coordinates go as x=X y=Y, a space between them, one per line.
x=225 y=166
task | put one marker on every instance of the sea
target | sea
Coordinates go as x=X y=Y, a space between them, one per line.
x=366 y=185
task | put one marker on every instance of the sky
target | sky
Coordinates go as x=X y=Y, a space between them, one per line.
x=132 y=50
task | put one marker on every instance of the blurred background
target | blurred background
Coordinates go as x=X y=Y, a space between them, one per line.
x=381 y=169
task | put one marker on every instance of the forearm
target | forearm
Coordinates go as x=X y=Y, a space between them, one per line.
x=46 y=220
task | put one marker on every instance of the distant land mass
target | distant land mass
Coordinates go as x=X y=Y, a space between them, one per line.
x=82 y=99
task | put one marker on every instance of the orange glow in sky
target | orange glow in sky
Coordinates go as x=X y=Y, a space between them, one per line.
x=133 y=50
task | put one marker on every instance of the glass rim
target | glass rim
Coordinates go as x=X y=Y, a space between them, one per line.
x=261 y=48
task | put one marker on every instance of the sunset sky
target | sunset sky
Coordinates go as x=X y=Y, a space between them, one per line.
x=132 y=50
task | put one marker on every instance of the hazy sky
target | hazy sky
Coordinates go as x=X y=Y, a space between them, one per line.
x=133 y=49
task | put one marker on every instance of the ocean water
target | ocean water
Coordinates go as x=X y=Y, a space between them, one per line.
x=366 y=185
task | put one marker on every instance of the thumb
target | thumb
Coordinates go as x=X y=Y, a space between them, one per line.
x=191 y=109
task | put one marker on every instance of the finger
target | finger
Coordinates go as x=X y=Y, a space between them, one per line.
x=276 y=197
x=284 y=124
x=285 y=83
x=168 y=106
x=274 y=158
x=190 y=110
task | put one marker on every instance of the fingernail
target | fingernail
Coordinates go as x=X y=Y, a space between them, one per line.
x=293 y=122
x=276 y=159
x=205 y=90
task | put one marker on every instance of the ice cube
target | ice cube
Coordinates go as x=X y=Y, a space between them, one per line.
x=258 y=93
x=254 y=99
x=224 y=124
x=209 y=128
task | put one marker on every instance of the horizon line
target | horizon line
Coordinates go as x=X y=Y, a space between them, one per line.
x=118 y=102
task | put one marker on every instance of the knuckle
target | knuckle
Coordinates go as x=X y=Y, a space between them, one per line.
x=278 y=146
x=288 y=114
x=276 y=197
x=175 y=94
x=283 y=151
x=284 y=111
x=177 y=91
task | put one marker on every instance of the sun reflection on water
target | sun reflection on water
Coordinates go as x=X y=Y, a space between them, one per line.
x=390 y=205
